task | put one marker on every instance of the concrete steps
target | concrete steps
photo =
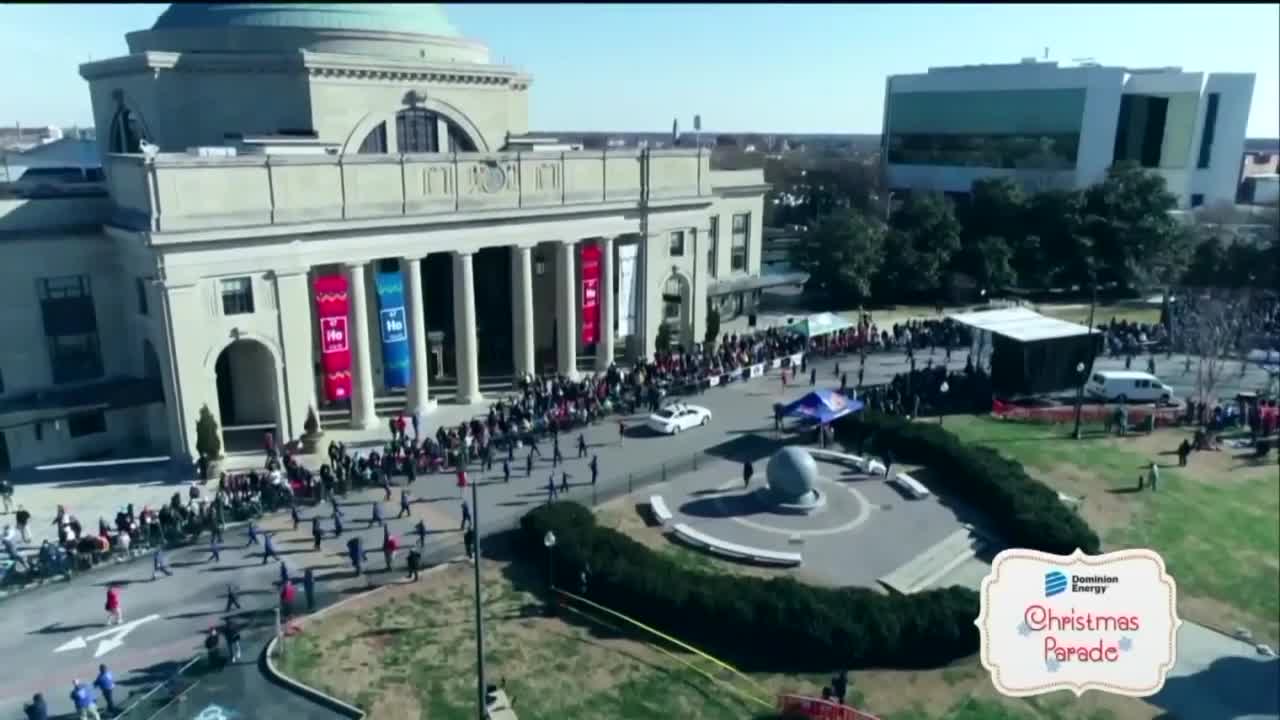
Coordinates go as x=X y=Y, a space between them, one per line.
x=935 y=562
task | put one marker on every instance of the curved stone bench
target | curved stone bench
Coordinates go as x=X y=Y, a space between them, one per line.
x=660 y=510
x=733 y=550
x=909 y=485
x=864 y=465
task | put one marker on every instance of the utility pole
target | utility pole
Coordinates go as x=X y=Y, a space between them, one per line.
x=482 y=710
x=1093 y=303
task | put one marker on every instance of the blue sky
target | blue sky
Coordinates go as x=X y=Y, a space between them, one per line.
x=779 y=68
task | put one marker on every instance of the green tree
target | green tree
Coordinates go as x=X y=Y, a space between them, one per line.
x=1138 y=244
x=1207 y=262
x=1056 y=219
x=208 y=439
x=663 y=341
x=993 y=263
x=925 y=236
x=996 y=207
x=842 y=255
x=713 y=326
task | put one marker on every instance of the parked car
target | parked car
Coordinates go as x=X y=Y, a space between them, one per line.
x=678 y=416
x=1128 y=386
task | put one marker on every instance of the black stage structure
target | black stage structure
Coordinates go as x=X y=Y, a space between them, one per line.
x=1031 y=354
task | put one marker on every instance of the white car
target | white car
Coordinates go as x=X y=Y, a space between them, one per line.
x=678 y=416
x=1128 y=386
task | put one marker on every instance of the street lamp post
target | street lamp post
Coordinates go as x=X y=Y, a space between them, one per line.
x=549 y=540
x=1079 y=396
x=481 y=691
x=942 y=410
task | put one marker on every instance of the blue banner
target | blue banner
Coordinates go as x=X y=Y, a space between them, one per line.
x=395 y=330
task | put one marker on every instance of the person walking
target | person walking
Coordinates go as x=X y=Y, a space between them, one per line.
x=556 y=457
x=82 y=699
x=414 y=561
x=233 y=599
x=309 y=588
x=232 y=635
x=747 y=472
x=469 y=543
x=421 y=530
x=389 y=547
x=622 y=431
x=386 y=487
x=215 y=550
x=506 y=471
x=375 y=517
x=160 y=565
x=317 y=533
x=564 y=482
x=293 y=515
x=813 y=376
x=355 y=550
x=6 y=495
x=269 y=549
x=38 y=709
x=551 y=487
x=582 y=445
x=1155 y=477
x=511 y=451
x=106 y=685
x=595 y=469
x=253 y=534
x=115 y=613
x=528 y=465
x=404 y=504
x=466 y=515
x=287 y=595
x=284 y=572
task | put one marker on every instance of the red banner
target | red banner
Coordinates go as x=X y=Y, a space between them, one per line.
x=819 y=709
x=590 y=254
x=335 y=342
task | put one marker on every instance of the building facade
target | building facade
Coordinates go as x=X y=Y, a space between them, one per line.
x=340 y=208
x=1062 y=127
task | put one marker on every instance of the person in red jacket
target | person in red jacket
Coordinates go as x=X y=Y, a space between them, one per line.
x=287 y=593
x=462 y=478
x=389 y=547
x=114 y=613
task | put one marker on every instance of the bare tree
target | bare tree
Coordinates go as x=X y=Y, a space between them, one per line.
x=1215 y=326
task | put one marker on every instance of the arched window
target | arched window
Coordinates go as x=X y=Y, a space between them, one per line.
x=672 y=299
x=375 y=143
x=126 y=132
x=416 y=131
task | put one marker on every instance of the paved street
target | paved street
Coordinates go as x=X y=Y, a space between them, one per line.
x=36 y=624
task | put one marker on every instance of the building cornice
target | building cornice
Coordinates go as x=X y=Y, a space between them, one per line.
x=316 y=65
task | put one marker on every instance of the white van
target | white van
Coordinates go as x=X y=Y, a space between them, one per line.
x=1128 y=386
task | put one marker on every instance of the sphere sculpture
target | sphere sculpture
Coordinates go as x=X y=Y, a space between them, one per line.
x=792 y=474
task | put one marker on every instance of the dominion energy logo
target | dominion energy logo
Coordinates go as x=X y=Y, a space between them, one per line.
x=1079 y=622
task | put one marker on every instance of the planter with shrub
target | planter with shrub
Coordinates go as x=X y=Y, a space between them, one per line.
x=312 y=433
x=774 y=625
x=1023 y=511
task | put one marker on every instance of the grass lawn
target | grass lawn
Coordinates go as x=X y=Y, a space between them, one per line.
x=1215 y=522
x=407 y=652
x=1079 y=312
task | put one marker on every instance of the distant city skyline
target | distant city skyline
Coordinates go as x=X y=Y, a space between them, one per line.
x=781 y=69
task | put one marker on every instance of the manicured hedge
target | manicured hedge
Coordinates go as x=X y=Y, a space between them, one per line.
x=776 y=625
x=1023 y=511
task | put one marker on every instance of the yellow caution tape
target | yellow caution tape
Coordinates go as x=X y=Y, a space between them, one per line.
x=744 y=695
x=666 y=637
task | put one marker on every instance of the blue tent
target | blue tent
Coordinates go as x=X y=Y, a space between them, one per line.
x=822 y=406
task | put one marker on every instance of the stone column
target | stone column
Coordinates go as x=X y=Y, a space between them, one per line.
x=608 y=306
x=566 y=311
x=464 y=331
x=419 y=397
x=293 y=298
x=364 y=414
x=522 y=309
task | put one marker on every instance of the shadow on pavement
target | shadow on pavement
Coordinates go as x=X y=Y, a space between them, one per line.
x=1231 y=685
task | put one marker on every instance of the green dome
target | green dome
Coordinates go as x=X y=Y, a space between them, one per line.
x=426 y=19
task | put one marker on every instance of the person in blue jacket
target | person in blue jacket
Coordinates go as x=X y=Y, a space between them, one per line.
x=106 y=685
x=82 y=698
x=37 y=709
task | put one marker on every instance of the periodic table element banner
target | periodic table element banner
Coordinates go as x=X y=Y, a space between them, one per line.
x=590 y=293
x=335 y=342
x=394 y=328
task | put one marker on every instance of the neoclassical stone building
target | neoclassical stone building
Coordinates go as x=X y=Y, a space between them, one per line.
x=340 y=207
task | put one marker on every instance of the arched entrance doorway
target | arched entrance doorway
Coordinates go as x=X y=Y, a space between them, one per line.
x=248 y=395
x=675 y=308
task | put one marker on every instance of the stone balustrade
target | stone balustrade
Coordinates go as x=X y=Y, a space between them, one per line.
x=179 y=192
